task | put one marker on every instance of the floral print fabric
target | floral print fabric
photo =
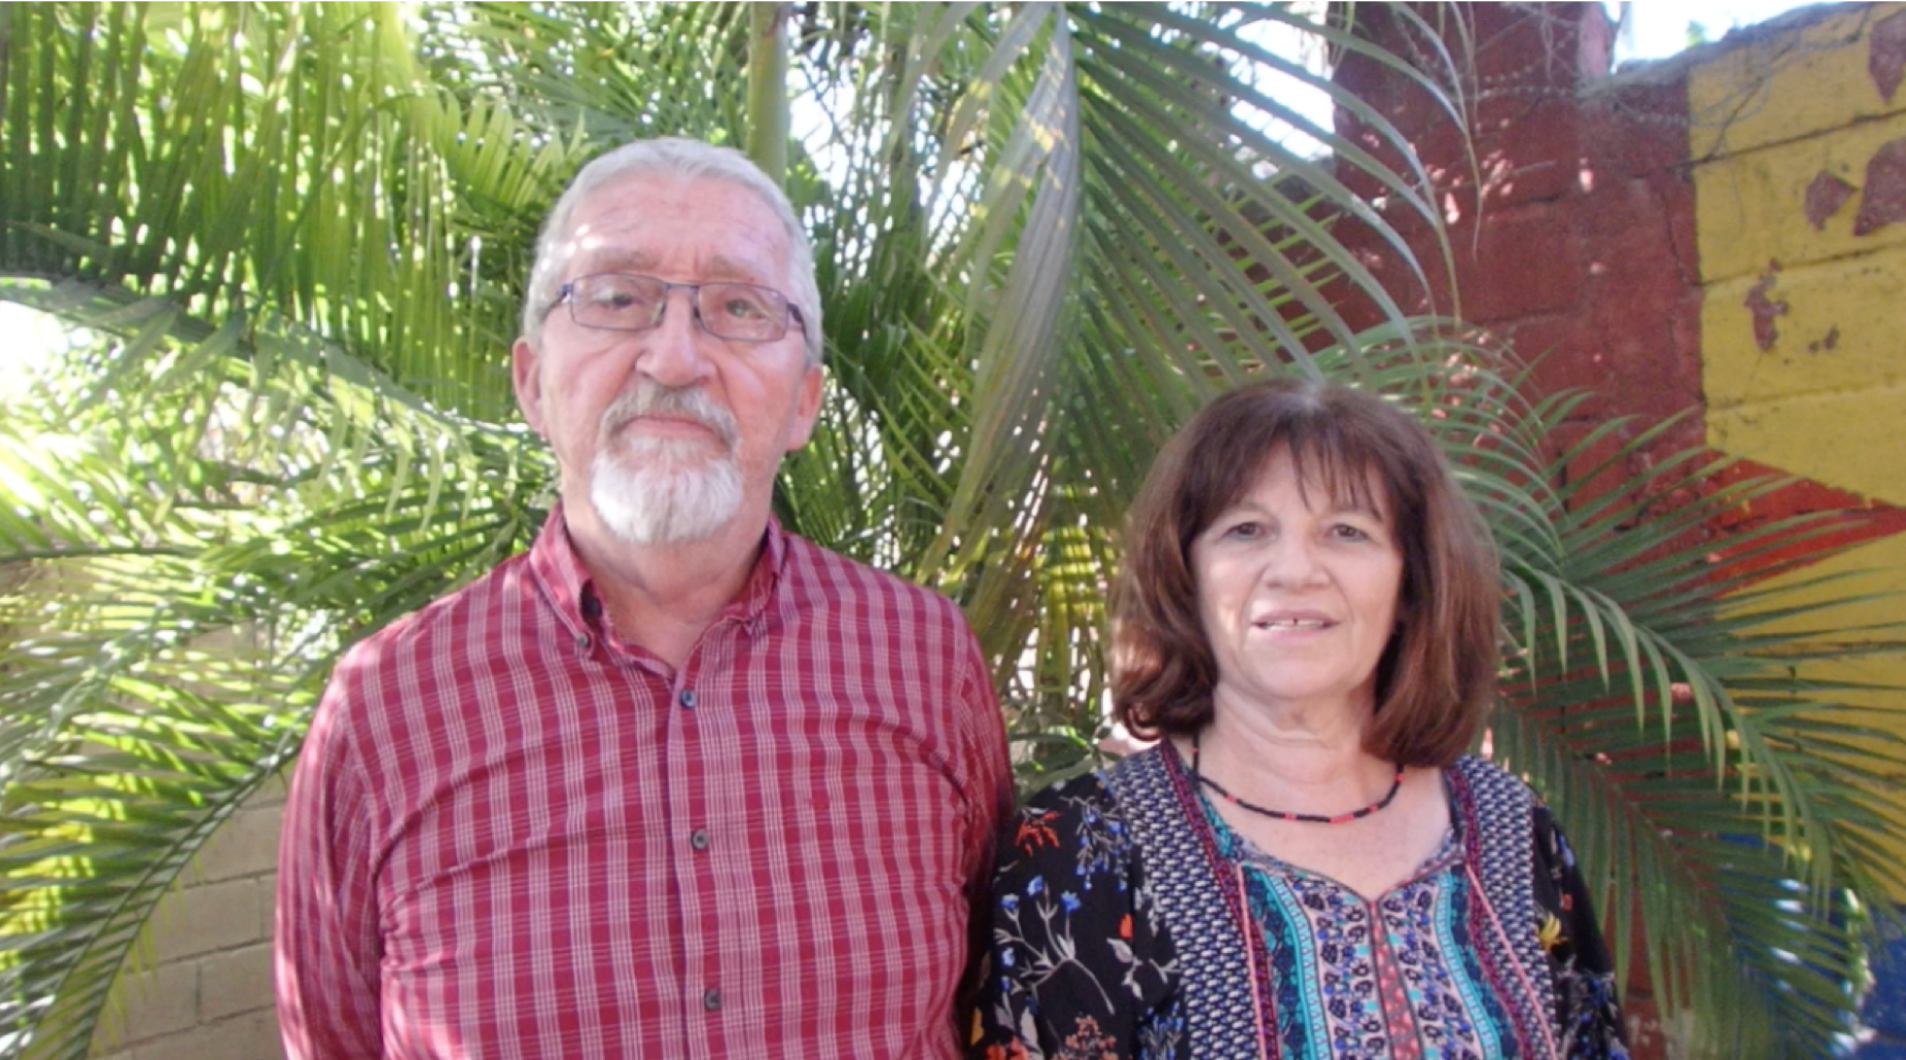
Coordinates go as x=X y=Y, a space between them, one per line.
x=1082 y=962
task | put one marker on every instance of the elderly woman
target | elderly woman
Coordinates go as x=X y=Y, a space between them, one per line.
x=1307 y=865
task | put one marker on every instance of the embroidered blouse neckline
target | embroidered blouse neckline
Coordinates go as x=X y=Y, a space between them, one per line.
x=1241 y=850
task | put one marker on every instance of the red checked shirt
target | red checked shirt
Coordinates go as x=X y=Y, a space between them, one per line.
x=513 y=836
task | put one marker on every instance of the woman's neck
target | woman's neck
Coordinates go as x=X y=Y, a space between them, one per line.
x=1296 y=760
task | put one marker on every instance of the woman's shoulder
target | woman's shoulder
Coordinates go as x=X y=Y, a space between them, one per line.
x=1064 y=819
x=1075 y=954
x=1491 y=786
x=1088 y=798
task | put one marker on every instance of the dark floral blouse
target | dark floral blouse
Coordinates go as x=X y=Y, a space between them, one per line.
x=1128 y=921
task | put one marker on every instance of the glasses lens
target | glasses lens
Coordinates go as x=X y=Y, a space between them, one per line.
x=618 y=301
x=742 y=311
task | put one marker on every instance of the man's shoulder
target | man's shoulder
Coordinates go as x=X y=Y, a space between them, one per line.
x=816 y=569
x=446 y=621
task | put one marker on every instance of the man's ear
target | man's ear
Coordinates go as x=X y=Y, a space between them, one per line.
x=807 y=407
x=524 y=365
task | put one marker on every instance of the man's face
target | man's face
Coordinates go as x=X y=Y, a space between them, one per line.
x=662 y=436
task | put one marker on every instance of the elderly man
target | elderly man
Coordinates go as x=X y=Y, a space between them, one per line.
x=675 y=782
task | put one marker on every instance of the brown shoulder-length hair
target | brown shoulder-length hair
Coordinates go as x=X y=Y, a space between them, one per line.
x=1435 y=681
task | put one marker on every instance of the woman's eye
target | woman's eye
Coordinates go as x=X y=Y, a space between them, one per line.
x=1347 y=532
x=1243 y=530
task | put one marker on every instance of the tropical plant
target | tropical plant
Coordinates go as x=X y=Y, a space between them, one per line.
x=296 y=236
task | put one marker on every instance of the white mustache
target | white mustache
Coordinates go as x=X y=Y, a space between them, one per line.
x=651 y=397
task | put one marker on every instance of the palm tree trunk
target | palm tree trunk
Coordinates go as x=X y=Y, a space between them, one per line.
x=768 y=88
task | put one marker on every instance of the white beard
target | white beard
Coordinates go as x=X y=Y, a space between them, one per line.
x=664 y=491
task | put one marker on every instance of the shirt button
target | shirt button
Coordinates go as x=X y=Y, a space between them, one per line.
x=687 y=698
x=698 y=839
x=711 y=999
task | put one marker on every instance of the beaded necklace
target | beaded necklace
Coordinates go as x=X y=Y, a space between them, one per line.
x=1280 y=815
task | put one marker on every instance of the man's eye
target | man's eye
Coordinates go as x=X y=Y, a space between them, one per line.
x=615 y=299
x=742 y=307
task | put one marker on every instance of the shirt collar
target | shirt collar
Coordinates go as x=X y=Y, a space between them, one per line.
x=554 y=560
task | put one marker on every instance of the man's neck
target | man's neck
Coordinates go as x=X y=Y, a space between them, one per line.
x=664 y=597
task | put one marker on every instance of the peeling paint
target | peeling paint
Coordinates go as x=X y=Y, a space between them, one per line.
x=1827 y=342
x=1764 y=308
x=1825 y=195
x=1886 y=59
x=1883 y=199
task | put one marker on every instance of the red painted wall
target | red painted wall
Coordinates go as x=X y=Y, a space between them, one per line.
x=1570 y=214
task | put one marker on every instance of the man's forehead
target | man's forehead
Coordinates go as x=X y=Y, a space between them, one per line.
x=609 y=253
x=647 y=222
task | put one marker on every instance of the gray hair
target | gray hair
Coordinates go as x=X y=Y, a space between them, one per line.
x=683 y=159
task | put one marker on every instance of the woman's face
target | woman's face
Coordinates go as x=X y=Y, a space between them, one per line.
x=1298 y=592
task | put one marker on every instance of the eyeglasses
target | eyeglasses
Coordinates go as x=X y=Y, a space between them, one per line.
x=620 y=301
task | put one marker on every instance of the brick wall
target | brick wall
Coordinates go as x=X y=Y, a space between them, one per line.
x=202 y=989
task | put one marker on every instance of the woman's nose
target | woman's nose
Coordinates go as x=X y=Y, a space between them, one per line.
x=1291 y=559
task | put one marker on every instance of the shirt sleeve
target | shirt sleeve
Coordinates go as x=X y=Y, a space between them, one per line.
x=326 y=936
x=988 y=767
x=1588 y=1017
x=1077 y=963
x=989 y=803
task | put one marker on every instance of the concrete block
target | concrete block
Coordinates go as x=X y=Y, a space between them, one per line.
x=235 y=982
x=210 y=917
x=272 y=792
x=1524 y=266
x=1752 y=208
x=1536 y=156
x=158 y=1001
x=247 y=845
x=1781 y=83
x=1843 y=440
x=1832 y=330
x=250 y=1037
x=1631 y=127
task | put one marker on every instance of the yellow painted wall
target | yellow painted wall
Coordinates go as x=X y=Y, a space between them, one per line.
x=1828 y=399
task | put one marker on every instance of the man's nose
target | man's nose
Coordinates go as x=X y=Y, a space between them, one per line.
x=671 y=351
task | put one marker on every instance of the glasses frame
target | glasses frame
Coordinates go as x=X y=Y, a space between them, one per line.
x=791 y=318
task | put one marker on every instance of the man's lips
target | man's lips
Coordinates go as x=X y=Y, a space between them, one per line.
x=672 y=425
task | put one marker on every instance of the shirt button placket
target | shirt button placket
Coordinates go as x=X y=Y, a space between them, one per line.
x=693 y=870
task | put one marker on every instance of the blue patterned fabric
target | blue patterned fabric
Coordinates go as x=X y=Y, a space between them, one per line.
x=1129 y=921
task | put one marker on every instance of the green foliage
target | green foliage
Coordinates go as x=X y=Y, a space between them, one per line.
x=1046 y=233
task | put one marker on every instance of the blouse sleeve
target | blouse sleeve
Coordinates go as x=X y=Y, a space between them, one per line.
x=1588 y=1018
x=1077 y=963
